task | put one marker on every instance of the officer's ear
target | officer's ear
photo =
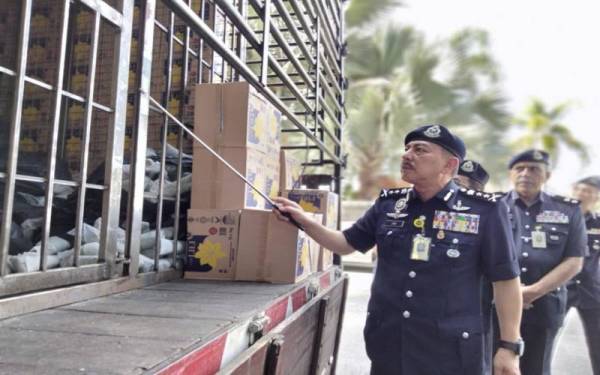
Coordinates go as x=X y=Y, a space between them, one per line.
x=548 y=173
x=452 y=164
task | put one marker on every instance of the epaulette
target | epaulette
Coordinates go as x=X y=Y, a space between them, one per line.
x=393 y=193
x=481 y=195
x=560 y=198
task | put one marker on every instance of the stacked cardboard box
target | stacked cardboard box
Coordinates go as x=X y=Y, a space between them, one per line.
x=322 y=202
x=244 y=129
x=248 y=245
x=232 y=232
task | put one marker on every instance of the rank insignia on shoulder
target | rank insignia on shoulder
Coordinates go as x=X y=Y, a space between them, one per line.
x=563 y=199
x=489 y=197
x=393 y=193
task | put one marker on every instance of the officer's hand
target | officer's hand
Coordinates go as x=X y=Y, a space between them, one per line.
x=506 y=363
x=530 y=294
x=291 y=207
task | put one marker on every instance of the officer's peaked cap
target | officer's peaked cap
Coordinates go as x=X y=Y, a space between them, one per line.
x=533 y=155
x=591 y=180
x=439 y=135
x=474 y=171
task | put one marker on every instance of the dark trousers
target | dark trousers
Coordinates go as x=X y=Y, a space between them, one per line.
x=539 y=343
x=590 y=319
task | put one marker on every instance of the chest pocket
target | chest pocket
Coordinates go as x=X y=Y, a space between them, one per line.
x=393 y=242
x=458 y=250
x=556 y=235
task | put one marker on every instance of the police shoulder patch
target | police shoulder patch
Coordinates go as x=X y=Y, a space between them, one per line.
x=481 y=195
x=393 y=193
x=567 y=200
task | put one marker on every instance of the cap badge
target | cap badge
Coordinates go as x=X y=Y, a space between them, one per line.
x=537 y=155
x=468 y=166
x=433 y=131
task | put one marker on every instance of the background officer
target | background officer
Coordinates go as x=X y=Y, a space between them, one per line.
x=472 y=175
x=584 y=289
x=551 y=241
x=435 y=242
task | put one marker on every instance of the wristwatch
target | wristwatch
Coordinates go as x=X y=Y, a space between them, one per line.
x=518 y=347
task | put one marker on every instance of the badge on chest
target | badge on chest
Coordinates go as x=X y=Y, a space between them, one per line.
x=456 y=222
x=552 y=217
x=538 y=239
x=421 y=247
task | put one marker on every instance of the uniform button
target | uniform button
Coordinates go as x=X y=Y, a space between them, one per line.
x=412 y=274
x=409 y=293
x=465 y=335
x=389 y=232
x=553 y=228
x=526 y=213
x=577 y=282
x=526 y=239
x=525 y=255
x=524 y=269
x=406 y=314
x=527 y=226
x=455 y=240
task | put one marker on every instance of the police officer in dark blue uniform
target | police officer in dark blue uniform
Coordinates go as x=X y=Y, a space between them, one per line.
x=435 y=241
x=551 y=241
x=472 y=175
x=584 y=289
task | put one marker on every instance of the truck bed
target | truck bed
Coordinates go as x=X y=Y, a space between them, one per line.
x=144 y=330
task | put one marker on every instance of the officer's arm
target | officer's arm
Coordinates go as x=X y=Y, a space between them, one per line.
x=331 y=239
x=507 y=296
x=559 y=275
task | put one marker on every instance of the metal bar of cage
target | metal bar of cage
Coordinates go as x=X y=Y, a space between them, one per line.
x=15 y=129
x=190 y=18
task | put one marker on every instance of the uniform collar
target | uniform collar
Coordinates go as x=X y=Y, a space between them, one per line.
x=446 y=195
x=542 y=197
x=592 y=215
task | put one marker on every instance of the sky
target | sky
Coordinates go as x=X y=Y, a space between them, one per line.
x=547 y=49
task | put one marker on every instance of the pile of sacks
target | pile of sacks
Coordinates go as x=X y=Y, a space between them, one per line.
x=29 y=202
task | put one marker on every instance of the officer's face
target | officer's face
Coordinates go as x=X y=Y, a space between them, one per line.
x=425 y=161
x=528 y=178
x=468 y=183
x=587 y=194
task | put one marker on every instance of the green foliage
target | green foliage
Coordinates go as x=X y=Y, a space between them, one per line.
x=400 y=81
x=543 y=127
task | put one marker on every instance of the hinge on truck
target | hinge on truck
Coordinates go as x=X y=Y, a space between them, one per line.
x=313 y=288
x=257 y=326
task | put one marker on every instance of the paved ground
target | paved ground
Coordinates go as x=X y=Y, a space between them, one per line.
x=571 y=357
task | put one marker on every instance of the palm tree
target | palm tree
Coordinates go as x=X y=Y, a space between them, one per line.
x=398 y=82
x=360 y=15
x=543 y=127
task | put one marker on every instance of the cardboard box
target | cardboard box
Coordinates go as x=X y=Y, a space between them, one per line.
x=273 y=251
x=216 y=186
x=290 y=171
x=212 y=244
x=323 y=202
x=235 y=115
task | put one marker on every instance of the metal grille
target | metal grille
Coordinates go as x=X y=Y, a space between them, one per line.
x=290 y=51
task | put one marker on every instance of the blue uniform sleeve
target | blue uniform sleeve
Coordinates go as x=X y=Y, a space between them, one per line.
x=577 y=240
x=361 y=235
x=498 y=255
